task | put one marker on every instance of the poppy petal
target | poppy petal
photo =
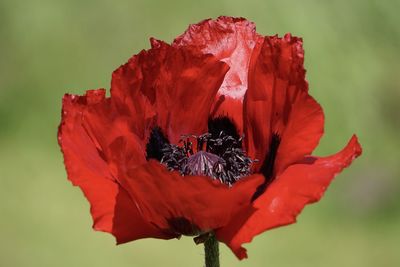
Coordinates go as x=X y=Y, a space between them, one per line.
x=111 y=208
x=302 y=132
x=128 y=98
x=231 y=40
x=164 y=197
x=299 y=185
x=179 y=85
x=114 y=135
x=228 y=39
x=277 y=103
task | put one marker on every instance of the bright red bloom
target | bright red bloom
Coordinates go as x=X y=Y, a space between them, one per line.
x=222 y=78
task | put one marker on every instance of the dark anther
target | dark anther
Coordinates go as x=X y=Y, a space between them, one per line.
x=222 y=124
x=223 y=134
x=201 y=140
x=156 y=143
x=188 y=146
x=267 y=168
x=175 y=157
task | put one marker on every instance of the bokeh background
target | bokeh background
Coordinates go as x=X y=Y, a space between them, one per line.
x=49 y=47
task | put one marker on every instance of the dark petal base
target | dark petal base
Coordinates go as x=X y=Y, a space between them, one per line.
x=183 y=226
x=267 y=168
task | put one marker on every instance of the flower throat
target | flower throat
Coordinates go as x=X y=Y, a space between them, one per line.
x=217 y=153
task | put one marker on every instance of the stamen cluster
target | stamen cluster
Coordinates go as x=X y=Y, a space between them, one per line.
x=220 y=157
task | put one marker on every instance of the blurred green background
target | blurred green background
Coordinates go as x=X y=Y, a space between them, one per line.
x=50 y=47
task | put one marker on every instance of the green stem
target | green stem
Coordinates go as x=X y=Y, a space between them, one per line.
x=211 y=250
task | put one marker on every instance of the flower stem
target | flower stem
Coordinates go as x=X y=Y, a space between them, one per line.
x=211 y=250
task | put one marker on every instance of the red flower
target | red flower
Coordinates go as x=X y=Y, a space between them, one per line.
x=218 y=81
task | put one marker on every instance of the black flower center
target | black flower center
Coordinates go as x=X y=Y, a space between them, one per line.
x=267 y=168
x=217 y=154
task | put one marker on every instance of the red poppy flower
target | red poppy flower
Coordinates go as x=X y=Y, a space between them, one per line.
x=211 y=133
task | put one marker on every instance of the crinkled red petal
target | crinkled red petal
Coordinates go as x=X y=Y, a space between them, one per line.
x=277 y=102
x=88 y=167
x=299 y=185
x=128 y=99
x=164 y=196
x=231 y=40
x=302 y=132
x=178 y=84
x=114 y=135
